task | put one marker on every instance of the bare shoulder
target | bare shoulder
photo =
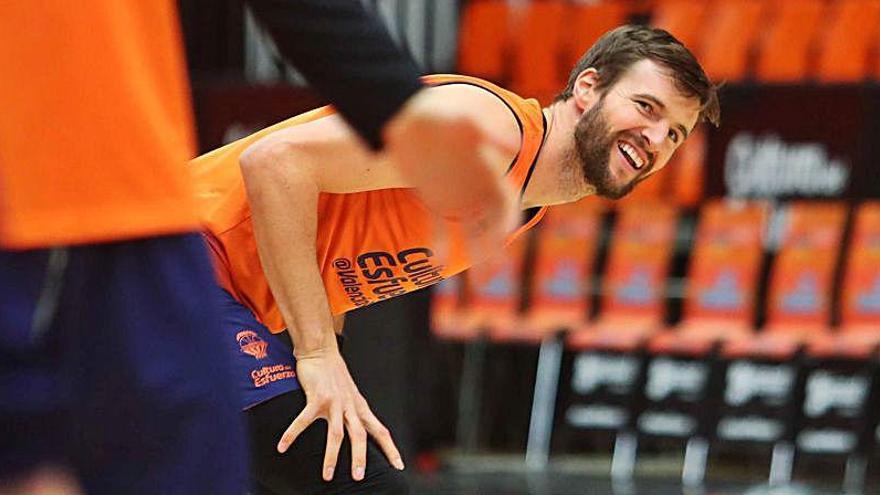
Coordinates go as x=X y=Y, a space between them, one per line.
x=472 y=117
x=480 y=104
x=328 y=151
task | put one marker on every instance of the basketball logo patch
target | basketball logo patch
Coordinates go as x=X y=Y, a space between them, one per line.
x=251 y=343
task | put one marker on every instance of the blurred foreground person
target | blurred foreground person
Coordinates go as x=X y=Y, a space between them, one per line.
x=111 y=375
x=306 y=224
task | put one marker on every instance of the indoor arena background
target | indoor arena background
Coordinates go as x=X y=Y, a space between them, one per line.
x=715 y=331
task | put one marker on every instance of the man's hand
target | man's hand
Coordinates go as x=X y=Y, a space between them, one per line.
x=456 y=164
x=332 y=395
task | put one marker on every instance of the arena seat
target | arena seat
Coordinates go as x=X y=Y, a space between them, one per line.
x=536 y=41
x=484 y=33
x=841 y=386
x=495 y=291
x=651 y=190
x=684 y=19
x=566 y=244
x=785 y=50
x=732 y=28
x=858 y=334
x=602 y=387
x=489 y=301
x=633 y=304
x=846 y=45
x=585 y=22
x=683 y=378
x=722 y=281
x=449 y=310
x=767 y=376
x=559 y=299
x=801 y=283
x=685 y=173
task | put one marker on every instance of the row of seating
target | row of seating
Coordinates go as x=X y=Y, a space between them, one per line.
x=722 y=283
x=532 y=45
x=712 y=376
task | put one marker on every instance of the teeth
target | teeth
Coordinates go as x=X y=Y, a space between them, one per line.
x=631 y=152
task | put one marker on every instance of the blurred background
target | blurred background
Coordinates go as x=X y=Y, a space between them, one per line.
x=715 y=331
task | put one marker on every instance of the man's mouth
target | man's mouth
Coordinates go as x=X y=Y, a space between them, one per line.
x=631 y=155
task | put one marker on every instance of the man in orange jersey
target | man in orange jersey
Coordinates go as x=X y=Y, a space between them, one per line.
x=305 y=224
x=399 y=118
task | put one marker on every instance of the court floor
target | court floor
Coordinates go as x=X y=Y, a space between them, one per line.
x=490 y=475
x=450 y=483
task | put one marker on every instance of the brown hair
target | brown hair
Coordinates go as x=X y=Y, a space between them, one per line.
x=617 y=50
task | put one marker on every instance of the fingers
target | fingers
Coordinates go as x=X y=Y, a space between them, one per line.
x=299 y=424
x=334 y=441
x=381 y=435
x=358 y=438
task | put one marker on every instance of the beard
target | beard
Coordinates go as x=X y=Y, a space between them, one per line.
x=593 y=142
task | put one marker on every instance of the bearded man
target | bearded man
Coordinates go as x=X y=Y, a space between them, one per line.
x=306 y=224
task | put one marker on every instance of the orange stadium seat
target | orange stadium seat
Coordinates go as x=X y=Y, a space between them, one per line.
x=586 y=22
x=482 y=40
x=567 y=241
x=641 y=249
x=846 y=45
x=495 y=290
x=859 y=332
x=801 y=282
x=722 y=281
x=686 y=173
x=785 y=51
x=536 y=43
x=651 y=190
x=448 y=307
x=732 y=28
x=684 y=19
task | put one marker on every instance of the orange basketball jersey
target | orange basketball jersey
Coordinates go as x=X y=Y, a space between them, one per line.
x=371 y=245
x=96 y=125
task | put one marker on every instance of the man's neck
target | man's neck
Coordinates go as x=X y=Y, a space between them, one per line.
x=556 y=178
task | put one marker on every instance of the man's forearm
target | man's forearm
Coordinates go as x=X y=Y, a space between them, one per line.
x=369 y=78
x=286 y=246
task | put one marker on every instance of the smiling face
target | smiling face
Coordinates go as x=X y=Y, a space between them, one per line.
x=628 y=131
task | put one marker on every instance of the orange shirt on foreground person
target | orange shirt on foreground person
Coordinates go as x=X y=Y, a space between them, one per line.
x=82 y=162
x=101 y=269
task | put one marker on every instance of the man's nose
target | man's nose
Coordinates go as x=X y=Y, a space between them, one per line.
x=655 y=134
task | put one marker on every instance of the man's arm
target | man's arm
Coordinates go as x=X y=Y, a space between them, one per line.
x=284 y=174
x=347 y=55
x=376 y=87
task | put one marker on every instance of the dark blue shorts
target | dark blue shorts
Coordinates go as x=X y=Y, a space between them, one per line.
x=110 y=365
x=263 y=363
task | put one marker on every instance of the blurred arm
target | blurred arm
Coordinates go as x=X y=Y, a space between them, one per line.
x=347 y=55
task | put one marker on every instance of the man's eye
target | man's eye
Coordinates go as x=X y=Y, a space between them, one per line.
x=673 y=136
x=645 y=106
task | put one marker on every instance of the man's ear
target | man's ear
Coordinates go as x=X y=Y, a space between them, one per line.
x=584 y=91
